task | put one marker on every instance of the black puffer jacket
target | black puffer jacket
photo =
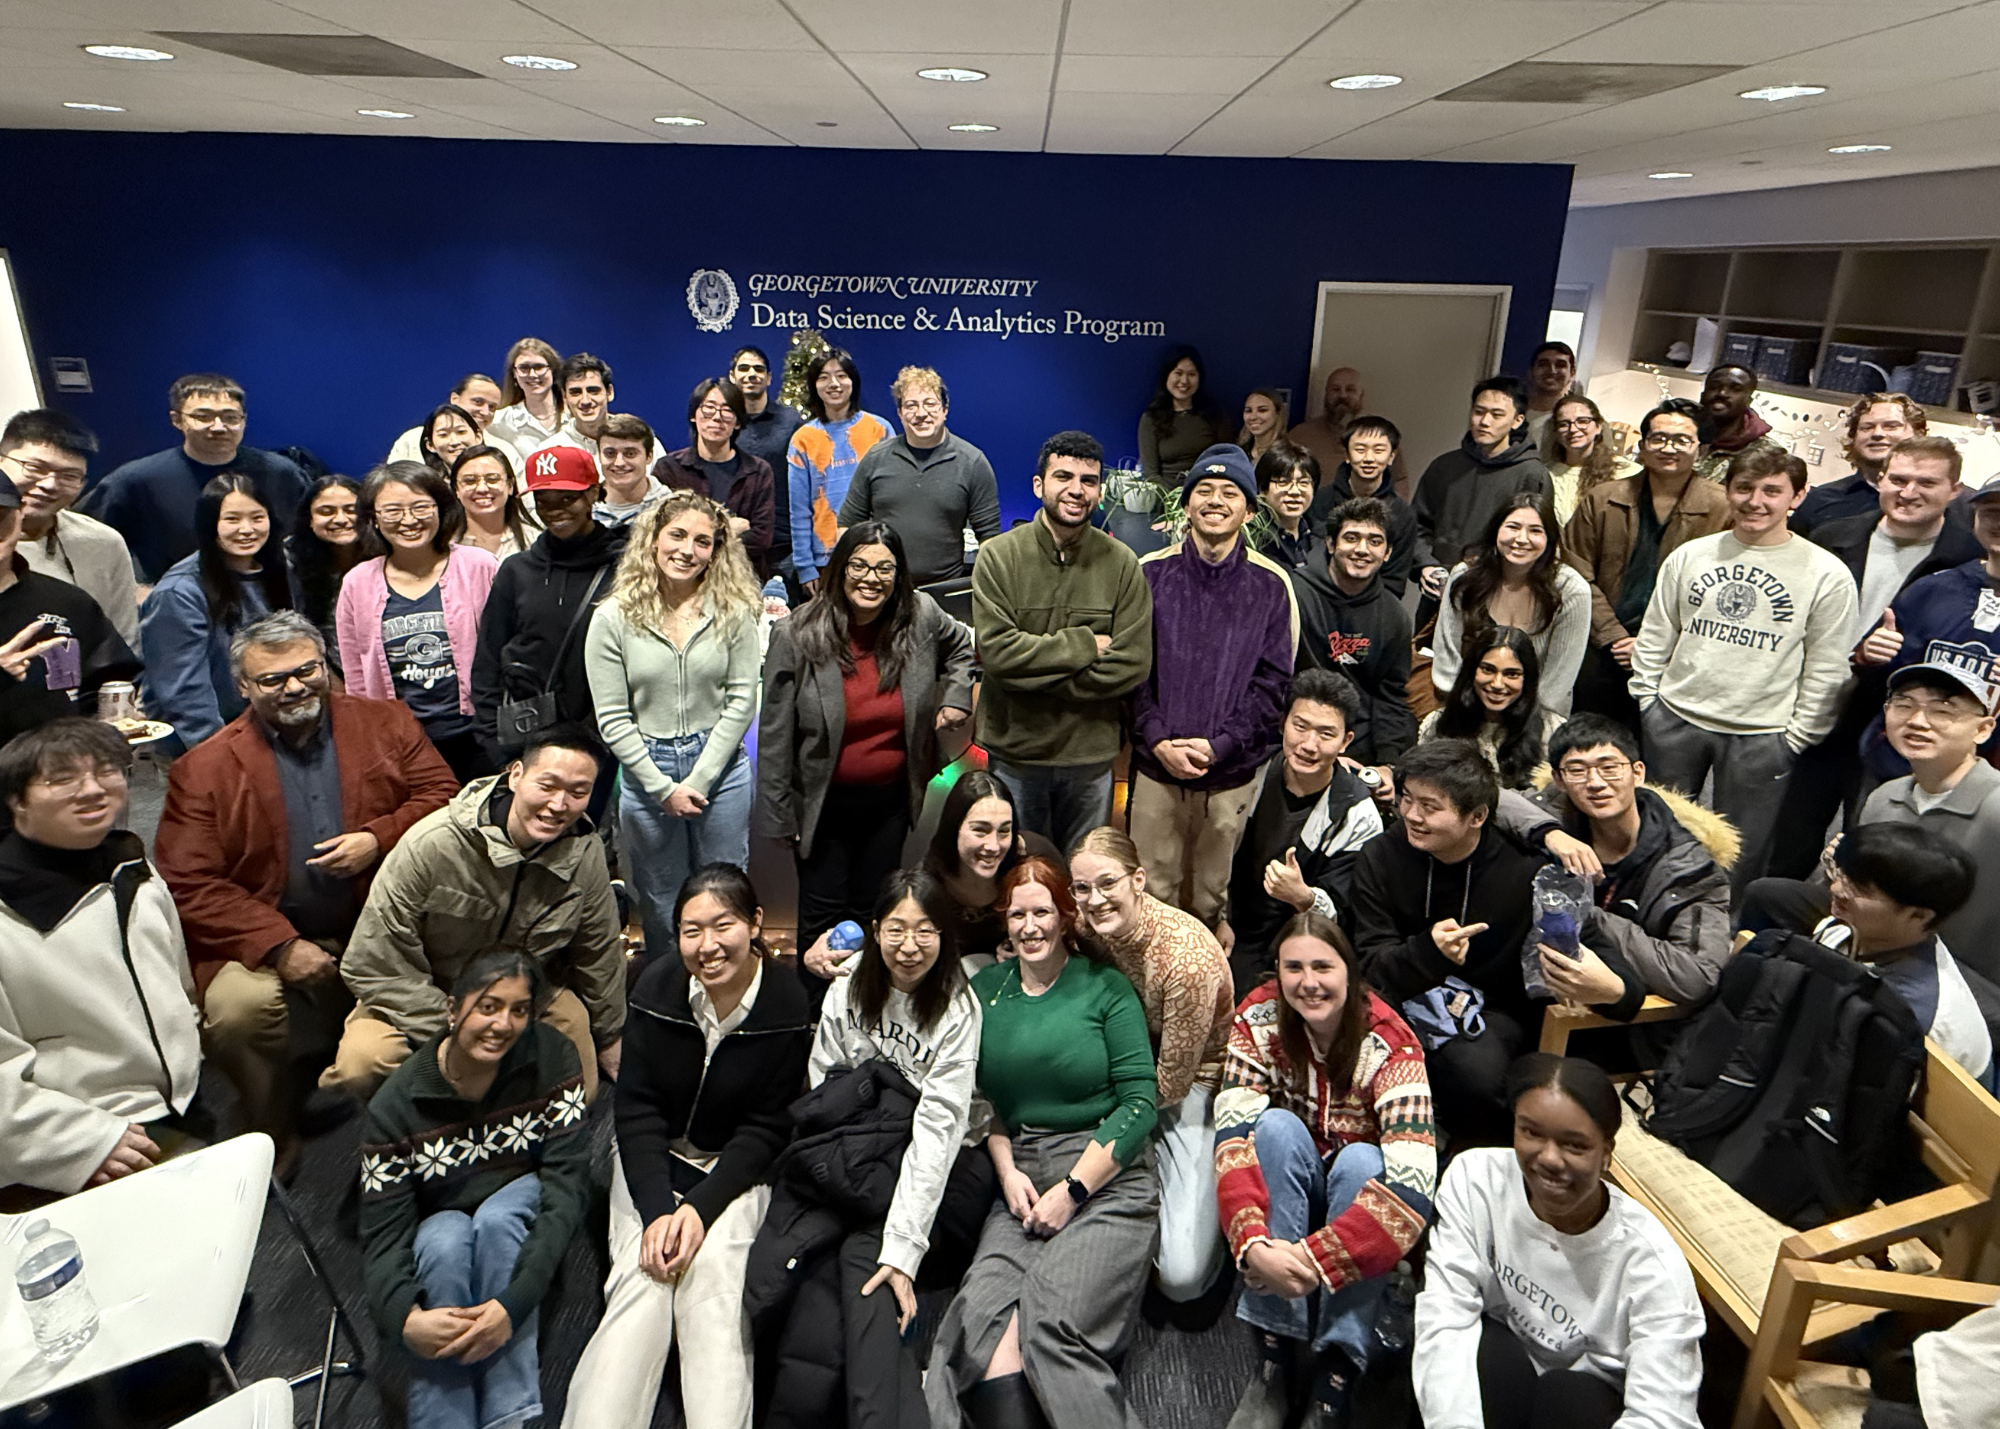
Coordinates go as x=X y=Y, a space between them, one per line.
x=838 y=1174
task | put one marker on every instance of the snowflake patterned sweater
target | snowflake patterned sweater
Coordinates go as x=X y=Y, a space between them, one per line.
x=1387 y=1101
x=426 y=1149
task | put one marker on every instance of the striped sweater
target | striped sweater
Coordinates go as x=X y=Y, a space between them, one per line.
x=819 y=466
x=1388 y=1102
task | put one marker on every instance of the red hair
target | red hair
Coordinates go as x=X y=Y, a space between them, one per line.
x=1036 y=869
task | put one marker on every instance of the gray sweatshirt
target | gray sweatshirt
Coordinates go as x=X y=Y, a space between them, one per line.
x=940 y=1061
x=1968 y=816
x=1748 y=639
x=645 y=688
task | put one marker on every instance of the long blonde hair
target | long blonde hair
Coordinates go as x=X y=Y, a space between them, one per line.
x=728 y=590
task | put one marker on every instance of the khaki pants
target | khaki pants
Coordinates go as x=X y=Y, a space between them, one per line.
x=370 y=1048
x=1187 y=839
x=246 y=1029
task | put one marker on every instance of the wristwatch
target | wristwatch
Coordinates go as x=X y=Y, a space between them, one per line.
x=1078 y=1192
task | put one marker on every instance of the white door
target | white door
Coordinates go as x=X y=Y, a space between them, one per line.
x=1419 y=347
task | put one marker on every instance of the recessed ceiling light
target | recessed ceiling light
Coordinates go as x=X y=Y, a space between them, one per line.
x=1774 y=93
x=537 y=62
x=384 y=114
x=952 y=74
x=94 y=108
x=1365 y=81
x=973 y=128
x=1670 y=174
x=679 y=121
x=1859 y=149
x=125 y=52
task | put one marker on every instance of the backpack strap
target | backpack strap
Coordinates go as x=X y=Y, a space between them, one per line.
x=125 y=881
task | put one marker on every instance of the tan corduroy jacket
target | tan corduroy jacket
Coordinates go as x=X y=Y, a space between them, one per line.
x=1598 y=540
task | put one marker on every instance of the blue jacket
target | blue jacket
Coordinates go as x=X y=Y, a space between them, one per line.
x=188 y=683
x=1954 y=617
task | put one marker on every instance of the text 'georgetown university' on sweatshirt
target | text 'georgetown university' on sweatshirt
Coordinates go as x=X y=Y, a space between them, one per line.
x=1748 y=639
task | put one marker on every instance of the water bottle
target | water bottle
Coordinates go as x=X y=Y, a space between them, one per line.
x=49 y=1275
x=845 y=937
x=1395 y=1316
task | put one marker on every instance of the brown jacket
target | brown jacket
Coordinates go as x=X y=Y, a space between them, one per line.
x=222 y=844
x=1598 y=540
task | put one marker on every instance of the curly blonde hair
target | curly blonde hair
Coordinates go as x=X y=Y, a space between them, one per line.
x=729 y=591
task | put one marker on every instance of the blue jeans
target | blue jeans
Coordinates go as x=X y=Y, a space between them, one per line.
x=468 y=1260
x=657 y=851
x=1306 y=1194
x=1061 y=802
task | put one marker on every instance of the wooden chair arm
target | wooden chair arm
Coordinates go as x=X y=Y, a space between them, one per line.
x=1875 y=1230
x=1797 y=1286
x=1560 y=1019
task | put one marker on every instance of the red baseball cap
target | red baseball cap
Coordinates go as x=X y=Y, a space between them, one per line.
x=562 y=469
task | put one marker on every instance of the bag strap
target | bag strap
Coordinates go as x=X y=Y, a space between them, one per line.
x=125 y=882
x=555 y=669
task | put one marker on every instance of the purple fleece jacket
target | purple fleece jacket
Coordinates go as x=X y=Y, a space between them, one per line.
x=1223 y=637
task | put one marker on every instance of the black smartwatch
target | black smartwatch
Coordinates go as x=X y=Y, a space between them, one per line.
x=1078 y=1192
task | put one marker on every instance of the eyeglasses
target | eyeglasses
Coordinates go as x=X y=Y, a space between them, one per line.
x=1672 y=441
x=1946 y=711
x=483 y=478
x=532 y=369
x=924 y=935
x=710 y=412
x=1576 y=421
x=68 y=786
x=205 y=417
x=1610 y=769
x=917 y=405
x=34 y=473
x=397 y=515
x=1298 y=481
x=278 y=679
x=882 y=570
x=1104 y=887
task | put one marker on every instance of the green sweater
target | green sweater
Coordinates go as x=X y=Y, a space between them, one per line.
x=1077 y=1057
x=1048 y=696
x=426 y=1149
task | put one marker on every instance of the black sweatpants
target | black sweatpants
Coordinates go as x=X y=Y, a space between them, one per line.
x=1469 y=1081
x=1514 y=1396
x=858 y=843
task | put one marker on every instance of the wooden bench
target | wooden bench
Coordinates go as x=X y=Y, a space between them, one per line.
x=1737 y=1251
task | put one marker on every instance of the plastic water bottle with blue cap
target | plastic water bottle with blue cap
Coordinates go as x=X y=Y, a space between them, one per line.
x=846 y=936
x=49 y=1275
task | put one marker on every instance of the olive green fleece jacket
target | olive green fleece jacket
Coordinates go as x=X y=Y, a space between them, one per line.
x=455 y=886
x=1049 y=697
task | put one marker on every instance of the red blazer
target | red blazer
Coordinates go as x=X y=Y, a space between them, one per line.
x=222 y=841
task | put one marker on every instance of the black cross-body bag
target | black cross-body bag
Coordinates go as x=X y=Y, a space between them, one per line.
x=517 y=719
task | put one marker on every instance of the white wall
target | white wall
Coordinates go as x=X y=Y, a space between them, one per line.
x=17 y=367
x=1963 y=203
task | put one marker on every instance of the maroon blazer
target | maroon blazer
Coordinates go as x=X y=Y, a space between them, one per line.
x=754 y=497
x=222 y=843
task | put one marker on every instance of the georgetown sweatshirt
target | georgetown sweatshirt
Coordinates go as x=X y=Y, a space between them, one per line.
x=1748 y=639
x=940 y=1061
x=1616 y=1302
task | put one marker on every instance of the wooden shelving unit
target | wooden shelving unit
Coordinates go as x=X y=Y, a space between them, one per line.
x=1935 y=297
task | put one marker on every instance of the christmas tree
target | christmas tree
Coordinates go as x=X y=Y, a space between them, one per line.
x=807 y=345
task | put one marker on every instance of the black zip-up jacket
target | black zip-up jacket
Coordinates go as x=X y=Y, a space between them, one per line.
x=1847 y=537
x=535 y=597
x=1461 y=491
x=1365 y=637
x=737 y=1108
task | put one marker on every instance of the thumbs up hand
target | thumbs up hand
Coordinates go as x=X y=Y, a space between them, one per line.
x=1882 y=643
x=1284 y=882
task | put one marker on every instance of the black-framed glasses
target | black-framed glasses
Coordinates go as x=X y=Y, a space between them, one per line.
x=1610 y=769
x=881 y=570
x=277 y=680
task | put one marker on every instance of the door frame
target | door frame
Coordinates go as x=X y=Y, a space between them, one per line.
x=1501 y=293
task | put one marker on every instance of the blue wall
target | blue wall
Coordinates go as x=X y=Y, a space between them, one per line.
x=347 y=282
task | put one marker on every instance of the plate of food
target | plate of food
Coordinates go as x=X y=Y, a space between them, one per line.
x=141 y=731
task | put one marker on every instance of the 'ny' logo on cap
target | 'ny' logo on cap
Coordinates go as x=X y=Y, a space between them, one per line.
x=545 y=464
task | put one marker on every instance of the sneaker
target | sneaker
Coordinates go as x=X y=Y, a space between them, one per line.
x=1264 y=1402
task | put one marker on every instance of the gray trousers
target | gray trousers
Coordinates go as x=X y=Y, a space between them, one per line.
x=1077 y=1294
x=1750 y=772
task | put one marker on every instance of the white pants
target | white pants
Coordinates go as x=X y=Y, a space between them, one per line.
x=1190 y=1225
x=618 y=1379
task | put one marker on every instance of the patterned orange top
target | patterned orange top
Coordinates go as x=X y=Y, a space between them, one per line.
x=1182 y=977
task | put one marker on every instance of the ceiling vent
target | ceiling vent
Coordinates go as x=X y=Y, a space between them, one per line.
x=1548 y=82
x=353 y=56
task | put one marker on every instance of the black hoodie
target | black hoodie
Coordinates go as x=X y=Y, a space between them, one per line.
x=1461 y=491
x=1365 y=637
x=535 y=600
x=1408 y=551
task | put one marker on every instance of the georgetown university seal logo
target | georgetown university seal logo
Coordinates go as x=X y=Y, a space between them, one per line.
x=712 y=299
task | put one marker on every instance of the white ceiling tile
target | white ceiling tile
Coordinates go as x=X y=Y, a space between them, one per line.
x=1156 y=74
x=1194 y=27
x=943 y=31
x=1740 y=32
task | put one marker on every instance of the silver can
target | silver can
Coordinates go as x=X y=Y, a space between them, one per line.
x=118 y=699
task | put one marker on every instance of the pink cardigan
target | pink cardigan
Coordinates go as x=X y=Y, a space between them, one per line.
x=364 y=595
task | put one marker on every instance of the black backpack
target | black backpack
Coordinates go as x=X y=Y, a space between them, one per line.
x=1793 y=1082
